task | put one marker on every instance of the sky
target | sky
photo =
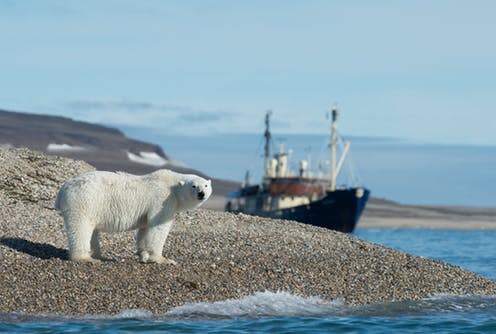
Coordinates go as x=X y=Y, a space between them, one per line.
x=417 y=70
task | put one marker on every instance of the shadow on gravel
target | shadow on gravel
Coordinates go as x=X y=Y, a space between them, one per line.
x=39 y=250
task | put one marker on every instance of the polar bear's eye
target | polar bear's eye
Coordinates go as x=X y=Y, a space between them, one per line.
x=193 y=186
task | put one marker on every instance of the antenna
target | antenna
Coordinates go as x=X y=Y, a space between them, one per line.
x=268 y=138
x=334 y=142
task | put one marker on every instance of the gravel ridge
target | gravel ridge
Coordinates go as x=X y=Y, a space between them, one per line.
x=220 y=256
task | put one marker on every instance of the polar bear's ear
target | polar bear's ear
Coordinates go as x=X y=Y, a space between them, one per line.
x=209 y=182
x=181 y=183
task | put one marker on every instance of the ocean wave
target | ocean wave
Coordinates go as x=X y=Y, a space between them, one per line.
x=269 y=304
x=285 y=304
x=438 y=304
x=260 y=304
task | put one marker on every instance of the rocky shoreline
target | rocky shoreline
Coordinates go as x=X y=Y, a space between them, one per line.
x=219 y=255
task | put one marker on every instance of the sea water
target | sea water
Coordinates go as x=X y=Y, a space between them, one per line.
x=284 y=312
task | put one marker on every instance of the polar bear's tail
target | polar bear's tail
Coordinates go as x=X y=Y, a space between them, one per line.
x=58 y=200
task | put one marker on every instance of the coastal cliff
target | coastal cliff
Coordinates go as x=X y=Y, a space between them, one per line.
x=105 y=148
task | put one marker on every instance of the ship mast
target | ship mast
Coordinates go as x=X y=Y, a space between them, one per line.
x=335 y=165
x=268 y=137
x=334 y=142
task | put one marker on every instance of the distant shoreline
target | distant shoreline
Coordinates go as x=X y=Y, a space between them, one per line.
x=388 y=214
x=424 y=223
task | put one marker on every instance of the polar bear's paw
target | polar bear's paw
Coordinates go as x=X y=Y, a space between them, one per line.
x=84 y=258
x=148 y=257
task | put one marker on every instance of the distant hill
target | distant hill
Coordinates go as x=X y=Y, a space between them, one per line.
x=104 y=147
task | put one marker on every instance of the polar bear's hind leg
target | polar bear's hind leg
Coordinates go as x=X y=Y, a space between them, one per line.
x=80 y=237
x=95 y=246
x=140 y=242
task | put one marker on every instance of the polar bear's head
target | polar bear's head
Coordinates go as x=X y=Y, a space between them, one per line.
x=193 y=191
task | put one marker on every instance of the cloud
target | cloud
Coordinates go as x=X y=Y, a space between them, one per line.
x=110 y=104
x=166 y=117
x=203 y=117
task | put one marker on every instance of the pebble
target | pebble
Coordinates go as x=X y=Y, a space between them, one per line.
x=219 y=256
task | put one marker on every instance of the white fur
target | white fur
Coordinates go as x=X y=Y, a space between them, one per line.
x=115 y=202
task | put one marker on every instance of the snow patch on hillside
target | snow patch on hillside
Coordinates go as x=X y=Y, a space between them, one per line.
x=64 y=147
x=148 y=158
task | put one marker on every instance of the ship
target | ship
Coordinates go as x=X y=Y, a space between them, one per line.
x=300 y=196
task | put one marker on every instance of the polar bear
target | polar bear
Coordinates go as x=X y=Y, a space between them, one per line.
x=101 y=201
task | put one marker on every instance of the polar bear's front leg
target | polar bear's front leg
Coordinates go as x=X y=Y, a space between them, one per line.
x=150 y=242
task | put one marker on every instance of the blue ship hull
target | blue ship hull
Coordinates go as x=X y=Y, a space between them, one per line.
x=338 y=210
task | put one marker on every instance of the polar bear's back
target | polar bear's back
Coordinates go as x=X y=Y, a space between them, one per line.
x=110 y=201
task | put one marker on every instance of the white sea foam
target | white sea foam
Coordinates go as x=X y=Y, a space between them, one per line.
x=286 y=304
x=134 y=314
x=64 y=147
x=260 y=304
x=147 y=158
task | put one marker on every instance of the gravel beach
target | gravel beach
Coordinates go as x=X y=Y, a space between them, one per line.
x=219 y=255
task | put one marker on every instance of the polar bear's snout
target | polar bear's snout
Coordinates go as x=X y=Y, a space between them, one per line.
x=203 y=189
